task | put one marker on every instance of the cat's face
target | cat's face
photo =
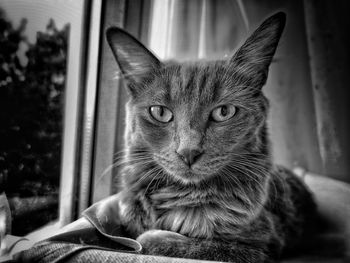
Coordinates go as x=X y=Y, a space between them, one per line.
x=202 y=119
x=197 y=110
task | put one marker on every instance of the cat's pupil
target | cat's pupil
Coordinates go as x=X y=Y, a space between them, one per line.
x=161 y=111
x=224 y=111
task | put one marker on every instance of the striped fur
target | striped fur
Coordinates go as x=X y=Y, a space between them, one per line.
x=233 y=203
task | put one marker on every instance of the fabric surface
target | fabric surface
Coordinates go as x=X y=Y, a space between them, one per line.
x=104 y=217
x=66 y=252
x=105 y=240
x=85 y=245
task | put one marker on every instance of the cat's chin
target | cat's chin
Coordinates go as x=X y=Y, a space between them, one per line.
x=189 y=177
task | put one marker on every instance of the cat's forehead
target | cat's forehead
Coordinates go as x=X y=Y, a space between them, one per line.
x=202 y=82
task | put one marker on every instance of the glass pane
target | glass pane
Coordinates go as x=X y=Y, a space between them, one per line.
x=33 y=54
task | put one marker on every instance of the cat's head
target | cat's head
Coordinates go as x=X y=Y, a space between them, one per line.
x=201 y=119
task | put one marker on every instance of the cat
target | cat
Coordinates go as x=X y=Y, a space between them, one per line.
x=198 y=179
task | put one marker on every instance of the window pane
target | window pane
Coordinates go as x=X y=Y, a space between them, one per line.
x=33 y=53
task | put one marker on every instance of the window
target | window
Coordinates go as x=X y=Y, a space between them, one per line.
x=41 y=64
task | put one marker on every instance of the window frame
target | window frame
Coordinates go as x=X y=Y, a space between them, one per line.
x=81 y=55
x=72 y=128
x=133 y=16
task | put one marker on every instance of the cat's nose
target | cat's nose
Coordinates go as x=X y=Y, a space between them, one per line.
x=189 y=156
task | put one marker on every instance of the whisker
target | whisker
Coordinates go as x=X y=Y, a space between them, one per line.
x=154 y=177
x=228 y=173
x=247 y=171
x=131 y=161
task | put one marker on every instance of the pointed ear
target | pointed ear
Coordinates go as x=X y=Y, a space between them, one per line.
x=134 y=59
x=253 y=58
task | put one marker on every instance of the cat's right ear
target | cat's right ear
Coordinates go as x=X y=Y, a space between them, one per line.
x=134 y=59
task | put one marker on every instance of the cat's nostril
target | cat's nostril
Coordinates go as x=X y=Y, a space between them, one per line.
x=189 y=156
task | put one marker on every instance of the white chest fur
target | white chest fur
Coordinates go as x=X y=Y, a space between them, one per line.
x=198 y=217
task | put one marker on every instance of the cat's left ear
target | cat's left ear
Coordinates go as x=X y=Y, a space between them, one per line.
x=254 y=57
x=134 y=59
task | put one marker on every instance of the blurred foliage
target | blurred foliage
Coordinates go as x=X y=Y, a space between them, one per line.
x=32 y=81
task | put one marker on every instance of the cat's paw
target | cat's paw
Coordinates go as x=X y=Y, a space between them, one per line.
x=160 y=242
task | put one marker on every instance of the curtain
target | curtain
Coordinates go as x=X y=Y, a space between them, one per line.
x=185 y=30
x=327 y=27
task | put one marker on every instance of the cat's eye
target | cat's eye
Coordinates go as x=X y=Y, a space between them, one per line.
x=161 y=113
x=223 y=113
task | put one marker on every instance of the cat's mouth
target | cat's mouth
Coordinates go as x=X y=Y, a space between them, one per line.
x=178 y=170
x=189 y=175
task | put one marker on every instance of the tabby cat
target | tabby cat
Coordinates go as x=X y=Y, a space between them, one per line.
x=198 y=180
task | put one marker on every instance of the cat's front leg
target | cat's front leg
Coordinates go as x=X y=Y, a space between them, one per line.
x=172 y=244
x=159 y=242
x=136 y=214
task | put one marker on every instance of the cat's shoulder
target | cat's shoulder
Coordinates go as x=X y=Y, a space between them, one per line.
x=283 y=175
x=290 y=190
